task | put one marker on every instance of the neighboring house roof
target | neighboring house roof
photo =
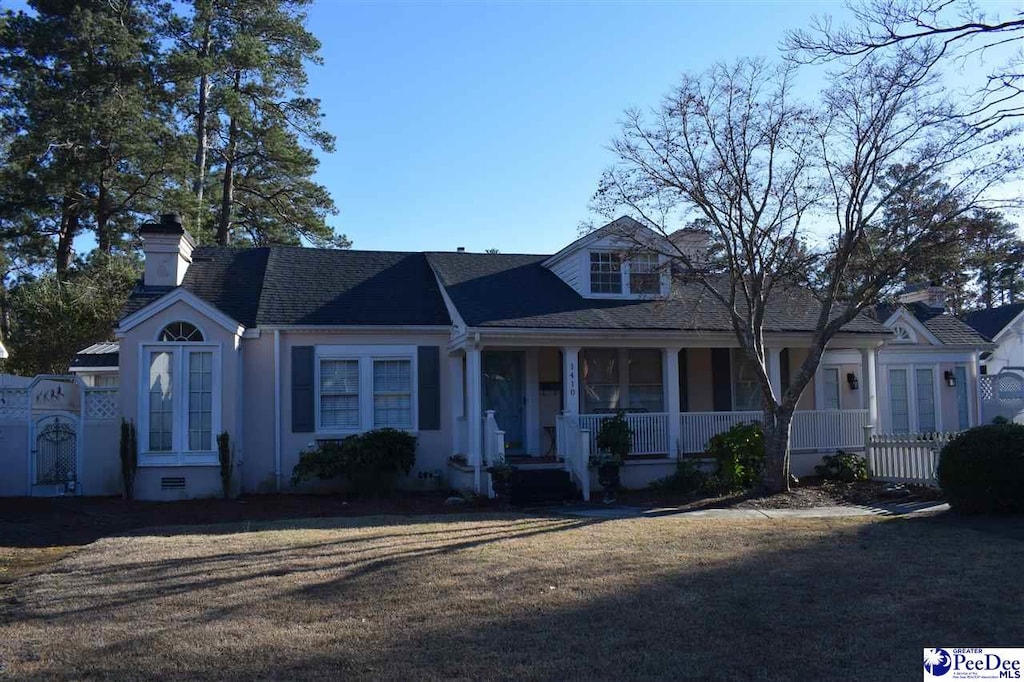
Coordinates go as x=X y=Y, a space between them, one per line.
x=103 y=354
x=992 y=321
x=507 y=290
x=285 y=285
x=946 y=328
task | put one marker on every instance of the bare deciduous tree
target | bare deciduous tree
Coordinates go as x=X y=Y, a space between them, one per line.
x=791 y=194
x=953 y=31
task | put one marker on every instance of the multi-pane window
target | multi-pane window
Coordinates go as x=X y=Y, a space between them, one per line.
x=181 y=392
x=392 y=394
x=899 y=401
x=746 y=384
x=200 y=400
x=831 y=388
x=645 y=380
x=643 y=274
x=601 y=384
x=605 y=273
x=339 y=394
x=925 y=378
x=161 y=402
x=181 y=332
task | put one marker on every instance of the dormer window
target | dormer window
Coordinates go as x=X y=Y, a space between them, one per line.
x=643 y=274
x=612 y=273
x=605 y=273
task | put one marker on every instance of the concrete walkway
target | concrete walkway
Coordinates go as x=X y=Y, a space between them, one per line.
x=613 y=511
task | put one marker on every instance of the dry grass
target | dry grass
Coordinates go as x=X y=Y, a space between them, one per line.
x=514 y=597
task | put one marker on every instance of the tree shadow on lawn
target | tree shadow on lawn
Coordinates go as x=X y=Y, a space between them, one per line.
x=536 y=598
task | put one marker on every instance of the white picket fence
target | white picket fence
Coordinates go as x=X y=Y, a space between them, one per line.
x=906 y=457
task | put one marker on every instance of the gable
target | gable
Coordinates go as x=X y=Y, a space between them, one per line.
x=908 y=330
x=176 y=304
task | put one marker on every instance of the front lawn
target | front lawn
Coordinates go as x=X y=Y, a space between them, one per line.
x=507 y=596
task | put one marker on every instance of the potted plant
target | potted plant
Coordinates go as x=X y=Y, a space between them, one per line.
x=501 y=477
x=614 y=440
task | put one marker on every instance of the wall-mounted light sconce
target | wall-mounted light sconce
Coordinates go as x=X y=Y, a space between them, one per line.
x=851 y=379
x=950 y=379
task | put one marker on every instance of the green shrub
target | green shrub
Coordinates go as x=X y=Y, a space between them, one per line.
x=843 y=466
x=614 y=437
x=739 y=453
x=688 y=478
x=129 y=460
x=370 y=463
x=981 y=471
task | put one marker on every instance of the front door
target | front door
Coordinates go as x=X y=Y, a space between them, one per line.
x=504 y=393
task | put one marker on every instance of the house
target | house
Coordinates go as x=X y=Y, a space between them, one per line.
x=97 y=365
x=479 y=355
x=927 y=369
x=1005 y=327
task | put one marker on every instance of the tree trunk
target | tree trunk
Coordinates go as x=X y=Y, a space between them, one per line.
x=199 y=184
x=776 y=449
x=228 y=195
x=69 y=223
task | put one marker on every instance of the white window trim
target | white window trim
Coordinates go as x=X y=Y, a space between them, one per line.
x=913 y=405
x=365 y=355
x=624 y=272
x=178 y=455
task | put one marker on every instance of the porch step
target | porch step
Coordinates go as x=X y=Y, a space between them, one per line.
x=541 y=486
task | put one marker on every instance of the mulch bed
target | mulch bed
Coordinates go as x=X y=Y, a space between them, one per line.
x=49 y=522
x=811 y=492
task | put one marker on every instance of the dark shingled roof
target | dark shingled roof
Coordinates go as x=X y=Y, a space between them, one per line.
x=283 y=285
x=505 y=290
x=992 y=321
x=948 y=329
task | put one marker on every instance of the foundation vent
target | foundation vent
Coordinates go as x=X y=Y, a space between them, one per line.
x=172 y=483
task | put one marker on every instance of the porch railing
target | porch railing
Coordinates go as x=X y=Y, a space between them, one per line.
x=573 y=445
x=697 y=428
x=650 y=431
x=810 y=430
x=905 y=457
x=828 y=429
x=494 y=441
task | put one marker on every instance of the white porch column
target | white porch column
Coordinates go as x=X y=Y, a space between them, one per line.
x=474 y=407
x=455 y=380
x=868 y=385
x=774 y=358
x=670 y=380
x=571 y=380
x=975 y=385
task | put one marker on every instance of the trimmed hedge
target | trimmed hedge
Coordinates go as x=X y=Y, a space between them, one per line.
x=369 y=462
x=981 y=471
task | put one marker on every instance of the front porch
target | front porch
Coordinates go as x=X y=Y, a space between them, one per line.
x=545 y=404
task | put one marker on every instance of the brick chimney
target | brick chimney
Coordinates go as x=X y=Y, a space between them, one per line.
x=167 y=247
x=930 y=295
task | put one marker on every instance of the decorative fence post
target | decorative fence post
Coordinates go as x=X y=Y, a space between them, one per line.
x=868 y=453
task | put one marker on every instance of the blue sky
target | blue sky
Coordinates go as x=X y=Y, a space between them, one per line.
x=485 y=125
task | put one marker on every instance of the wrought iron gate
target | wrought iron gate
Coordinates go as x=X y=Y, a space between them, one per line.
x=56 y=450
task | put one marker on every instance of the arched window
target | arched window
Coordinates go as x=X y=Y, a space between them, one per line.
x=181 y=332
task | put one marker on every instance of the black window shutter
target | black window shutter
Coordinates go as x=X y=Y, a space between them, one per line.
x=303 y=400
x=684 y=394
x=721 y=380
x=784 y=369
x=428 y=363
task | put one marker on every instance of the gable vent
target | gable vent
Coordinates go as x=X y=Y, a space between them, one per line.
x=172 y=483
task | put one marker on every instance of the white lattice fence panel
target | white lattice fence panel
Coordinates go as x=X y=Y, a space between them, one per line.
x=101 y=403
x=14 y=404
